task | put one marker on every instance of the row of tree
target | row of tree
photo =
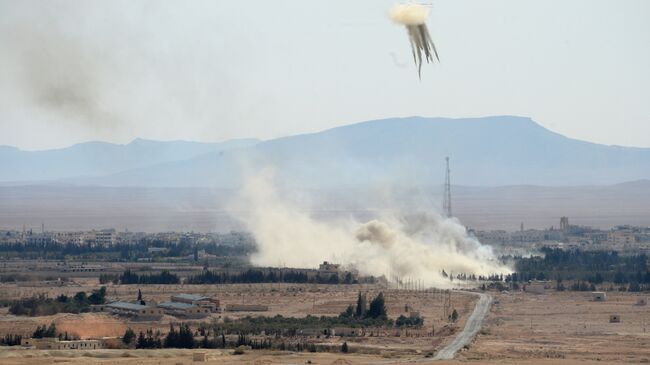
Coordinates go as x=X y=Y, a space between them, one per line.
x=376 y=310
x=130 y=277
x=227 y=245
x=41 y=305
x=268 y=276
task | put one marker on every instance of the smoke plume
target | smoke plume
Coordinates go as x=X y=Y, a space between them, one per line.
x=417 y=246
x=413 y=17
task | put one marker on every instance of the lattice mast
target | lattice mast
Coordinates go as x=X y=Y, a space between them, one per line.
x=446 y=203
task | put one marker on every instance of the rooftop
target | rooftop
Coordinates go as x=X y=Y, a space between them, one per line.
x=192 y=297
x=175 y=305
x=127 y=305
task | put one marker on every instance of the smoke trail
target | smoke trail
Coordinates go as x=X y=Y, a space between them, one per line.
x=414 y=16
x=418 y=246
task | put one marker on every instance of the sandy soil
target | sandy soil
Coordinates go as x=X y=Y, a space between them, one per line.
x=565 y=326
x=285 y=299
x=184 y=357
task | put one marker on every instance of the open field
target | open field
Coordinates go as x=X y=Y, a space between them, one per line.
x=175 y=357
x=564 y=326
x=521 y=328
x=289 y=300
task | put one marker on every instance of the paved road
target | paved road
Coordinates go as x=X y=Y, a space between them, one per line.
x=472 y=326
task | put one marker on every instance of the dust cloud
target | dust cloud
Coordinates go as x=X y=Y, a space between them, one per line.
x=418 y=246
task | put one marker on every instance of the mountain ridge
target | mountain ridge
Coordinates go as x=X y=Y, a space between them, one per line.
x=486 y=151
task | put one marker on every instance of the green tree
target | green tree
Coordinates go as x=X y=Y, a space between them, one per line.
x=129 y=336
x=454 y=316
x=377 y=307
x=344 y=348
x=142 y=341
x=361 y=306
x=98 y=296
x=349 y=312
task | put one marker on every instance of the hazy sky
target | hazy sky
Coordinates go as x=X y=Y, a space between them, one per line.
x=73 y=71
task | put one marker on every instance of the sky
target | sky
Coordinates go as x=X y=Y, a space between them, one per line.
x=75 y=71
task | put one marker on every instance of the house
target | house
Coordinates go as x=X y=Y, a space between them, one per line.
x=197 y=300
x=53 y=343
x=137 y=311
x=535 y=287
x=180 y=309
x=599 y=296
x=346 y=331
x=246 y=308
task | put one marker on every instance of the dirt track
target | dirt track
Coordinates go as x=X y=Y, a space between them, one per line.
x=472 y=327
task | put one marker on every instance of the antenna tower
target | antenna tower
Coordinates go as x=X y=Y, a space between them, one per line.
x=446 y=204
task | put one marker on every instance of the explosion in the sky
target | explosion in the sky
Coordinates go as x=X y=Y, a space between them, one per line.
x=414 y=17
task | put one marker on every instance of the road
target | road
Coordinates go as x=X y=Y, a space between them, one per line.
x=472 y=326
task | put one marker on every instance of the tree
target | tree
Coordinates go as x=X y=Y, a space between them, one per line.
x=185 y=337
x=98 y=296
x=129 y=336
x=344 y=348
x=142 y=342
x=140 y=301
x=361 y=306
x=171 y=340
x=454 y=316
x=80 y=297
x=349 y=312
x=377 y=307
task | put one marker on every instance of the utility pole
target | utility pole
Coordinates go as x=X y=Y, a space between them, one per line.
x=446 y=203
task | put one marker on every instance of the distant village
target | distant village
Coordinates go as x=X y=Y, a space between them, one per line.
x=624 y=239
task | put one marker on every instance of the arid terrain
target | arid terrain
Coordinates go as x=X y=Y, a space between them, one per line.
x=521 y=328
x=564 y=326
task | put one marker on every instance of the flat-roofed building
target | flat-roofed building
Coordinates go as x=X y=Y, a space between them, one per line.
x=129 y=309
x=53 y=343
x=599 y=296
x=198 y=300
x=180 y=309
x=246 y=308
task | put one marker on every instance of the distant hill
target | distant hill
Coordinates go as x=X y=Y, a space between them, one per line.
x=490 y=151
x=100 y=158
x=409 y=151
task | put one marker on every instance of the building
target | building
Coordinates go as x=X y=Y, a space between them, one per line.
x=53 y=343
x=198 y=300
x=536 y=287
x=564 y=224
x=82 y=268
x=179 y=309
x=246 y=308
x=346 y=331
x=599 y=296
x=621 y=237
x=105 y=237
x=137 y=311
x=199 y=357
x=328 y=269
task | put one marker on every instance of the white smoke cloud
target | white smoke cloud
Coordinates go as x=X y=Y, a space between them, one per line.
x=409 y=14
x=419 y=246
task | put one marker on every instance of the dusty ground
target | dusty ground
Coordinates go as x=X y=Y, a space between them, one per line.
x=184 y=357
x=564 y=326
x=567 y=328
x=290 y=300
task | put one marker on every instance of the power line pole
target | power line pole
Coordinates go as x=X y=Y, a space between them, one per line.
x=446 y=204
